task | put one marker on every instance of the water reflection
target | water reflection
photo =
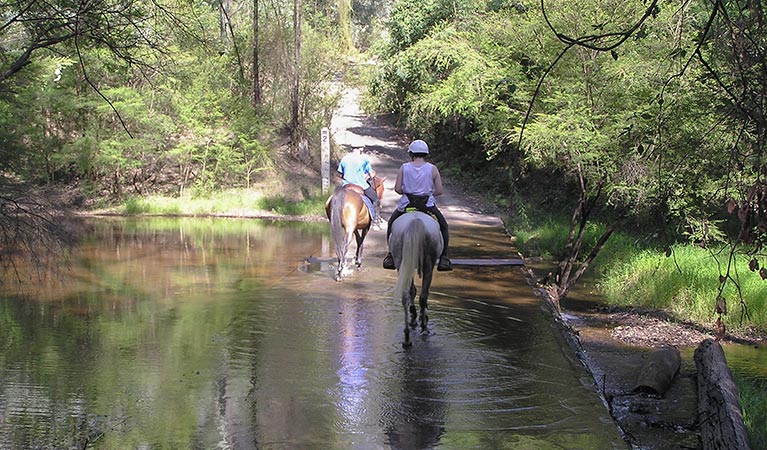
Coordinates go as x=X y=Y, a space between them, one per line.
x=212 y=334
x=747 y=361
x=417 y=419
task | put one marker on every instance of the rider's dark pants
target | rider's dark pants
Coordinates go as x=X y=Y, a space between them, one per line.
x=440 y=218
x=373 y=196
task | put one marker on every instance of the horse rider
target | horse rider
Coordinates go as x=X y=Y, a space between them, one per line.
x=419 y=181
x=355 y=168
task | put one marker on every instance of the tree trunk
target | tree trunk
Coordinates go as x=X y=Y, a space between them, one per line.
x=294 y=109
x=223 y=21
x=569 y=269
x=719 y=412
x=658 y=372
x=345 y=23
x=256 y=95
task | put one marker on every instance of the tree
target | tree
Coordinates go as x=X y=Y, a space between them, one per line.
x=731 y=50
x=256 y=75
x=295 y=131
x=633 y=114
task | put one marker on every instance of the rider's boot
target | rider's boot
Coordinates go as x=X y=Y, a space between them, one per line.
x=388 y=262
x=378 y=222
x=444 y=265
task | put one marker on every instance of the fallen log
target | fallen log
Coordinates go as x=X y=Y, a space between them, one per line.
x=721 y=420
x=658 y=372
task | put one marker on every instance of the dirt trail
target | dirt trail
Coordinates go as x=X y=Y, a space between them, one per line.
x=386 y=146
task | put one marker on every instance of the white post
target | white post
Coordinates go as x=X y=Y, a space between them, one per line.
x=325 y=166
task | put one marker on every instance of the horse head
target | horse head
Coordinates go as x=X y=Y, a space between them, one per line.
x=378 y=185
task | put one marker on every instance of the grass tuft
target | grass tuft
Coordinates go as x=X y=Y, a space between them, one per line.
x=687 y=284
x=753 y=403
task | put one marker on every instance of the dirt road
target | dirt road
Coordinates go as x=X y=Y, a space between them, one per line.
x=386 y=146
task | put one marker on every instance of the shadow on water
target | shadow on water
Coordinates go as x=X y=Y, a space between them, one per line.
x=418 y=421
x=215 y=334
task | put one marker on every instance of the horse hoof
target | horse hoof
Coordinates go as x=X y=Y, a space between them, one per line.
x=407 y=344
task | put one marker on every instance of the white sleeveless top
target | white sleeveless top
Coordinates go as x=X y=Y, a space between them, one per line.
x=417 y=180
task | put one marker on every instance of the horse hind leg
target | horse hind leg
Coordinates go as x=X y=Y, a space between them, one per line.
x=341 y=263
x=360 y=236
x=343 y=269
x=413 y=313
x=407 y=304
x=424 y=314
x=423 y=300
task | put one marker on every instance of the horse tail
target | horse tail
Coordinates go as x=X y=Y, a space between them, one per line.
x=336 y=221
x=412 y=258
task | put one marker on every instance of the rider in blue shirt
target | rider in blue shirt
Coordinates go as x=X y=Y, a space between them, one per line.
x=355 y=168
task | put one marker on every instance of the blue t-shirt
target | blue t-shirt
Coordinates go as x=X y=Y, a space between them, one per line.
x=354 y=169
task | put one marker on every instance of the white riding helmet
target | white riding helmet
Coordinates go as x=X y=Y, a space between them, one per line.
x=418 y=146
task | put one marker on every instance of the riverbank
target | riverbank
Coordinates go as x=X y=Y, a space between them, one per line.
x=616 y=342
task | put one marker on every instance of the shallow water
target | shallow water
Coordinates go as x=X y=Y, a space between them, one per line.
x=215 y=333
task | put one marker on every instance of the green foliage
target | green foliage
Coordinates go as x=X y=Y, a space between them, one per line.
x=411 y=20
x=753 y=402
x=168 y=114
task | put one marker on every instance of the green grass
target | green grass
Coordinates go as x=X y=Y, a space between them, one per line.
x=631 y=272
x=753 y=403
x=549 y=236
x=233 y=202
x=289 y=208
x=687 y=284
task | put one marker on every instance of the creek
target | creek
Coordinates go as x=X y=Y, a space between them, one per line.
x=216 y=333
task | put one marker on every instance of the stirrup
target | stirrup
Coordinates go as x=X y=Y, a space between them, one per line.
x=444 y=264
x=388 y=262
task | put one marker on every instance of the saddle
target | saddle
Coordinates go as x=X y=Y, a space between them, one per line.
x=418 y=203
x=358 y=189
x=354 y=187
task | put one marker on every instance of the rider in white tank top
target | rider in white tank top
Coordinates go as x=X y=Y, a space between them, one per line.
x=417 y=179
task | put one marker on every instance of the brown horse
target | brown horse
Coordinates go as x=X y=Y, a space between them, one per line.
x=349 y=215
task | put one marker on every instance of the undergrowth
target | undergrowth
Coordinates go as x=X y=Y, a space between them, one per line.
x=753 y=403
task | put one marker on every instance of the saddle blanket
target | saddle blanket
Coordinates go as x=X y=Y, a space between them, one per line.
x=369 y=204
